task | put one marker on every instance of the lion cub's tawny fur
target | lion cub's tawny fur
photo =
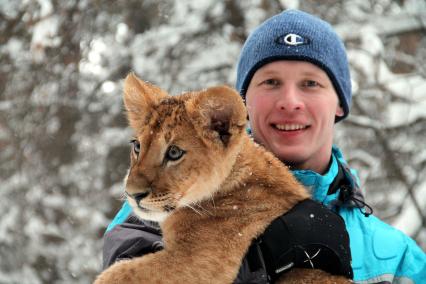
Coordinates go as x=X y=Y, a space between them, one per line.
x=213 y=190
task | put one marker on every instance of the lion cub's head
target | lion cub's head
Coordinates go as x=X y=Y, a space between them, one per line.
x=184 y=146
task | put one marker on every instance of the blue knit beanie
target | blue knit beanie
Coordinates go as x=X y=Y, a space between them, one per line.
x=296 y=35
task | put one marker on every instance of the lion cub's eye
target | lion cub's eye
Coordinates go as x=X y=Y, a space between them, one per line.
x=136 y=146
x=174 y=153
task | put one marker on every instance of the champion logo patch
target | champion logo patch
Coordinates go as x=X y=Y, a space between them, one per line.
x=292 y=40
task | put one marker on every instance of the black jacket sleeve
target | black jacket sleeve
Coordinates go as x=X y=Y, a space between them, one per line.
x=132 y=238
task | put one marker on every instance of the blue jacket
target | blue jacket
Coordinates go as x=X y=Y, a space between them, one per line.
x=380 y=253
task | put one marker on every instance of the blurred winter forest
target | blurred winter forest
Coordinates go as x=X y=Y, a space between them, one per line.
x=64 y=139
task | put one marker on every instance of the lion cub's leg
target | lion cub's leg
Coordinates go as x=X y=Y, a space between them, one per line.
x=151 y=268
x=311 y=276
x=168 y=267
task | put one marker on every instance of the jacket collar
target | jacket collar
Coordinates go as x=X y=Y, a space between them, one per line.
x=319 y=184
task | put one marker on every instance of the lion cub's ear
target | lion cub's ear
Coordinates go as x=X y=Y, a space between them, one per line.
x=220 y=112
x=139 y=98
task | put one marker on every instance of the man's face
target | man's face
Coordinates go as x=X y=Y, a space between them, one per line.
x=292 y=107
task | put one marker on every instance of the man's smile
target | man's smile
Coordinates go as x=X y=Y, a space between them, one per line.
x=290 y=126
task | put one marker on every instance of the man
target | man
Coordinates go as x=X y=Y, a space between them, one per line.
x=294 y=75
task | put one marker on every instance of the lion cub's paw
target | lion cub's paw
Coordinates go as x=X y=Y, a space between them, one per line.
x=120 y=272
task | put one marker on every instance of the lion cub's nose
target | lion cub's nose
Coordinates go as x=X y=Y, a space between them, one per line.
x=139 y=196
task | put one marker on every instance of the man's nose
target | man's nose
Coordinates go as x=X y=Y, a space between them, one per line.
x=290 y=99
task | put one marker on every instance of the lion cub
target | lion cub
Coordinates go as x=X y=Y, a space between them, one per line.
x=196 y=171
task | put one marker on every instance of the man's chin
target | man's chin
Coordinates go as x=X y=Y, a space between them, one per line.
x=291 y=156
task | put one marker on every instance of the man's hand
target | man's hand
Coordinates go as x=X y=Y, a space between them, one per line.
x=308 y=236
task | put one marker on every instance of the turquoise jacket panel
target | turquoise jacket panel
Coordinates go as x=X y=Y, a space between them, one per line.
x=380 y=253
x=121 y=216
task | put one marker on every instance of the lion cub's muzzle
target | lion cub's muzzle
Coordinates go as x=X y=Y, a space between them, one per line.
x=138 y=196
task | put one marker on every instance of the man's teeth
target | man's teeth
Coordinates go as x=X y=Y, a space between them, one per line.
x=290 y=127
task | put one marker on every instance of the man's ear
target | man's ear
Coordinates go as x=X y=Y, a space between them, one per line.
x=219 y=112
x=139 y=98
x=339 y=111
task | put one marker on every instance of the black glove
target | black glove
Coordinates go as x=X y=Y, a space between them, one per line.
x=308 y=236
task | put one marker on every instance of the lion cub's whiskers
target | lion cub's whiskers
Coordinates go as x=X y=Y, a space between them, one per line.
x=133 y=218
x=212 y=199
x=198 y=204
x=123 y=196
x=195 y=210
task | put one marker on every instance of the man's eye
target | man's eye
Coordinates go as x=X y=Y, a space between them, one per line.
x=271 y=82
x=310 y=83
x=174 y=153
x=136 y=146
